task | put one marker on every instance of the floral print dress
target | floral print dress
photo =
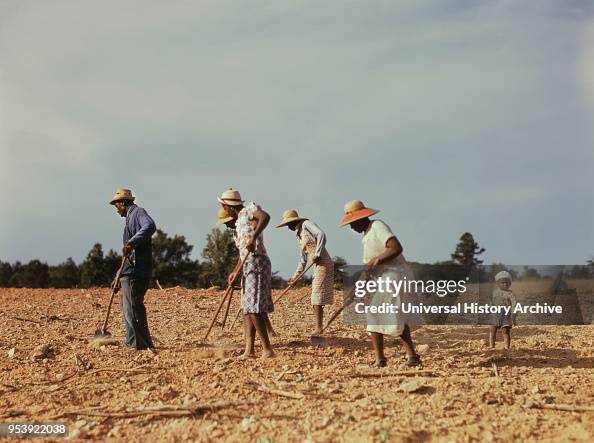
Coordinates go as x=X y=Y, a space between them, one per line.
x=256 y=292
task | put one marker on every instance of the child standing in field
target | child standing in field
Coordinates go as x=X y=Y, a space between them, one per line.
x=502 y=296
x=312 y=244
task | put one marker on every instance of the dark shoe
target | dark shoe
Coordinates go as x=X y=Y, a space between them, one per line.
x=413 y=361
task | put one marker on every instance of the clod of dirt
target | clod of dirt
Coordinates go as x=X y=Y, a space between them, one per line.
x=528 y=404
x=114 y=432
x=76 y=433
x=12 y=353
x=41 y=352
x=413 y=385
x=421 y=349
x=248 y=421
x=98 y=342
x=214 y=353
x=169 y=392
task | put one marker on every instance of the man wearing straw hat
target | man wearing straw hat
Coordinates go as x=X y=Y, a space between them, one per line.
x=382 y=248
x=256 y=289
x=312 y=244
x=138 y=230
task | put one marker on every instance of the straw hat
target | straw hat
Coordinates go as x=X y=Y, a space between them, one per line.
x=224 y=216
x=289 y=216
x=356 y=210
x=122 y=194
x=230 y=197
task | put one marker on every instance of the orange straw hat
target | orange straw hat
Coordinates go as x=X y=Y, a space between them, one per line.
x=224 y=216
x=355 y=210
x=231 y=197
x=289 y=216
x=122 y=194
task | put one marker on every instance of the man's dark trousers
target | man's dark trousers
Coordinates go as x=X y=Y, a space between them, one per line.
x=137 y=330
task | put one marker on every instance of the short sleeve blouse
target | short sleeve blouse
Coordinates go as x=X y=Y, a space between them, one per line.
x=245 y=228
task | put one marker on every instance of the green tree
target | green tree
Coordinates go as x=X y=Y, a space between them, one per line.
x=277 y=281
x=34 y=274
x=220 y=257
x=5 y=274
x=580 y=272
x=467 y=251
x=172 y=263
x=64 y=275
x=441 y=270
x=92 y=269
x=111 y=263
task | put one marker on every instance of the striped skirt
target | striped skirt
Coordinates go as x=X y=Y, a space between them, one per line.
x=322 y=286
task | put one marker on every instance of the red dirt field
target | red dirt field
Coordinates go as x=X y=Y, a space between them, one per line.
x=463 y=392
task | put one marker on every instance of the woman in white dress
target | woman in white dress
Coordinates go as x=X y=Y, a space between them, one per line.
x=382 y=248
x=312 y=244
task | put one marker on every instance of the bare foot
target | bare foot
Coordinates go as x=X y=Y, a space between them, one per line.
x=413 y=360
x=267 y=354
x=247 y=355
x=381 y=363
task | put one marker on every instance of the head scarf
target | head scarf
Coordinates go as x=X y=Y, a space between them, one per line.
x=503 y=274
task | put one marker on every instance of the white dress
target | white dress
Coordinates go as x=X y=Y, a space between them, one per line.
x=374 y=243
x=500 y=297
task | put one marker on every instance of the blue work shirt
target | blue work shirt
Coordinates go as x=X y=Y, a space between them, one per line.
x=138 y=231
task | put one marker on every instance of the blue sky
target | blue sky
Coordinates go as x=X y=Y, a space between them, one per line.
x=447 y=115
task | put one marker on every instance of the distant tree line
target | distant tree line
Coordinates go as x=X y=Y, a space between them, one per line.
x=465 y=262
x=173 y=266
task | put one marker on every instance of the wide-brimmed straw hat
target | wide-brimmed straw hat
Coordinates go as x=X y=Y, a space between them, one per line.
x=356 y=210
x=230 y=197
x=289 y=216
x=224 y=216
x=122 y=194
